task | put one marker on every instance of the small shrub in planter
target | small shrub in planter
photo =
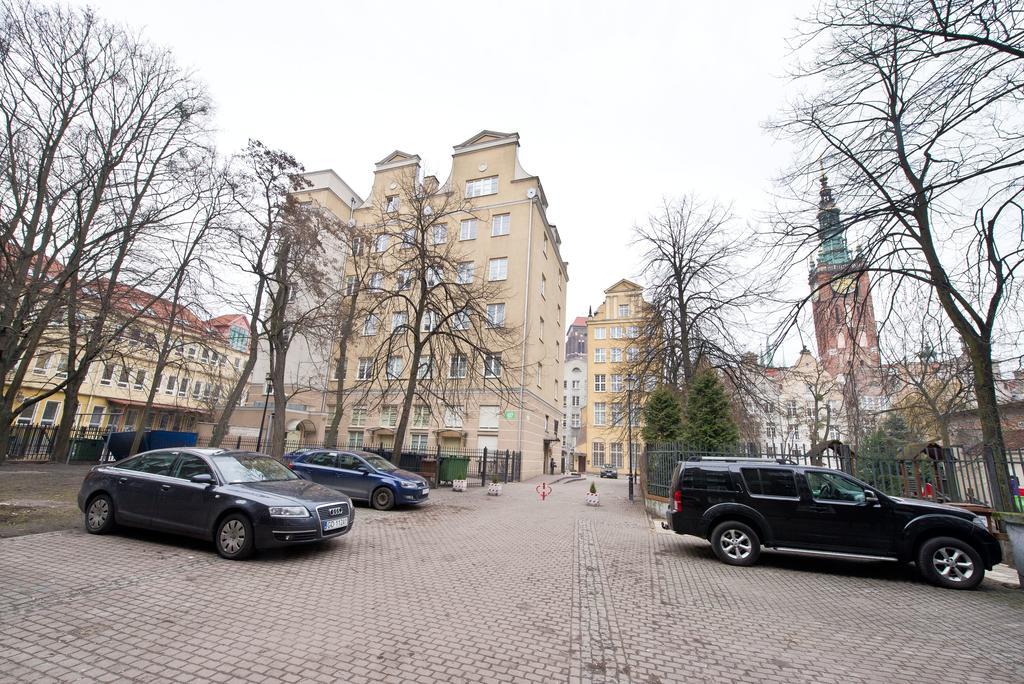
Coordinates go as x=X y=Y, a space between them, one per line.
x=459 y=485
x=495 y=488
x=592 y=498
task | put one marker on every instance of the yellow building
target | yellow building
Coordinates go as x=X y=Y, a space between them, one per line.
x=612 y=333
x=503 y=239
x=206 y=357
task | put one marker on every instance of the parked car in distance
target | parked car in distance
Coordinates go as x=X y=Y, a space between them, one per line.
x=242 y=501
x=363 y=476
x=740 y=506
x=610 y=472
x=290 y=455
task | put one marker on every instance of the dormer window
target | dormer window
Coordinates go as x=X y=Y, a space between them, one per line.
x=391 y=203
x=482 y=186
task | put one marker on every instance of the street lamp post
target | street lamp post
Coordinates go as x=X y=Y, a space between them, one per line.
x=630 y=386
x=268 y=387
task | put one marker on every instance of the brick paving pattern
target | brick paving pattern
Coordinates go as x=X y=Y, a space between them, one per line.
x=473 y=588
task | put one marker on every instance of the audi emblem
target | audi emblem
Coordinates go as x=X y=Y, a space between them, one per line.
x=337 y=510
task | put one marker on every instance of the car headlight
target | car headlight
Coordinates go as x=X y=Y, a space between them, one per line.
x=410 y=485
x=288 y=512
x=980 y=522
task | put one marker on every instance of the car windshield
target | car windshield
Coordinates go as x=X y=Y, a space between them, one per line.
x=379 y=463
x=251 y=468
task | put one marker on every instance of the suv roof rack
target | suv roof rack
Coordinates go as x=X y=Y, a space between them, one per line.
x=744 y=459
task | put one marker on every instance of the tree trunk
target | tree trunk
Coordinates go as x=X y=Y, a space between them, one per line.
x=220 y=430
x=61 y=441
x=331 y=435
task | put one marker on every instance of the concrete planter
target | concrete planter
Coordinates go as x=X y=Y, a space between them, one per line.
x=459 y=485
x=494 y=489
x=593 y=499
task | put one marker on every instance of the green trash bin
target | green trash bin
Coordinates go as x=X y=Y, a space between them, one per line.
x=82 y=449
x=452 y=469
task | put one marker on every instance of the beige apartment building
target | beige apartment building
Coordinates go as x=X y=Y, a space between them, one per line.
x=206 y=358
x=612 y=333
x=493 y=230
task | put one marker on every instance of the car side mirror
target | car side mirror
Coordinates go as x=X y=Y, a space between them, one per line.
x=202 y=478
x=363 y=469
x=870 y=498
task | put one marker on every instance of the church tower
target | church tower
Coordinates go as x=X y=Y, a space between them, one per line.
x=844 y=318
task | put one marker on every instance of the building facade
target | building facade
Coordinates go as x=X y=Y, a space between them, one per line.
x=501 y=241
x=608 y=423
x=574 y=387
x=206 y=359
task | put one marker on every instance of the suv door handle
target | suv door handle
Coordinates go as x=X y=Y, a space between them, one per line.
x=164 y=488
x=122 y=480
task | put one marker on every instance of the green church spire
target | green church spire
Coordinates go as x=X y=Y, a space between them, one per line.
x=830 y=229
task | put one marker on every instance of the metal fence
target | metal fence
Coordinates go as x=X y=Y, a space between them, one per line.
x=35 y=442
x=482 y=465
x=951 y=474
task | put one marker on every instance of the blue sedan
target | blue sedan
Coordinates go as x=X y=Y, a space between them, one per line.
x=363 y=476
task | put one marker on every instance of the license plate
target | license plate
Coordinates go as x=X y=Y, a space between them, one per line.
x=425 y=491
x=334 y=524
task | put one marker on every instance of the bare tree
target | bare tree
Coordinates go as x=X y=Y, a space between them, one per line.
x=918 y=114
x=96 y=123
x=432 y=335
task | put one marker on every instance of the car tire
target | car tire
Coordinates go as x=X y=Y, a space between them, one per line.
x=736 y=543
x=383 y=499
x=950 y=563
x=99 y=515
x=234 y=537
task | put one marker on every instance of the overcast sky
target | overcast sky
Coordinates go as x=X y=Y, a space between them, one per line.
x=617 y=104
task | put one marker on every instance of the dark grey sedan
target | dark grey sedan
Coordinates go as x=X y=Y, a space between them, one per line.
x=240 y=500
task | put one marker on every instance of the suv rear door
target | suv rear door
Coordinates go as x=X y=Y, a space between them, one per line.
x=773 y=493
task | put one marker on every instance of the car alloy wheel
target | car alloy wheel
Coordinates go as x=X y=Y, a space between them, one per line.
x=735 y=544
x=98 y=515
x=234 y=537
x=952 y=564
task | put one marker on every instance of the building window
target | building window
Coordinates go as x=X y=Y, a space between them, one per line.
x=615 y=449
x=464 y=272
x=497 y=269
x=492 y=366
x=481 y=187
x=421 y=416
x=389 y=415
x=616 y=382
x=598 y=449
x=183 y=387
x=381 y=243
x=124 y=377
x=616 y=332
x=599 y=333
x=355 y=439
x=42 y=363
x=489 y=417
x=500 y=225
x=631 y=354
x=453 y=416
x=351 y=286
x=358 y=416
x=616 y=413
x=371 y=324
x=543 y=284
x=435 y=275
x=365 y=371
x=467 y=229
x=599 y=382
x=96 y=419
x=49 y=416
x=576 y=401
x=623 y=313
x=376 y=282
x=496 y=315
x=108 y=374
x=357 y=246
x=395 y=367
x=599 y=355
x=458 y=367
x=616 y=355
x=403 y=280
x=408 y=238
x=439 y=234
x=391 y=203
x=460 y=320
x=600 y=413
x=431 y=319
x=418 y=441
x=398 y=320
x=425 y=370
x=172 y=381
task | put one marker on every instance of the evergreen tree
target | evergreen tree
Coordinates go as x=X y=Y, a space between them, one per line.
x=709 y=424
x=663 y=417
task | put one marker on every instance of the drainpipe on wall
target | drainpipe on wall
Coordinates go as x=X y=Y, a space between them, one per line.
x=526 y=329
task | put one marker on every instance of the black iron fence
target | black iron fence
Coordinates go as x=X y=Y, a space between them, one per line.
x=36 y=442
x=442 y=465
x=984 y=476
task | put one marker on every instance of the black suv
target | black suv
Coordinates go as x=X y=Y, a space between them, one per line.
x=741 y=505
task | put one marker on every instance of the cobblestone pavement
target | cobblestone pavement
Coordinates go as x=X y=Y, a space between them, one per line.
x=472 y=588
